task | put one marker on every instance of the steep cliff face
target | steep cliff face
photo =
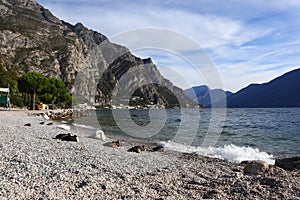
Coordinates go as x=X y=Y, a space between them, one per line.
x=32 y=39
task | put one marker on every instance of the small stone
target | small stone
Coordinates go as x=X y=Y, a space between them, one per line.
x=159 y=149
x=116 y=143
x=28 y=124
x=100 y=135
x=137 y=149
x=82 y=184
x=46 y=117
x=60 y=136
x=70 y=138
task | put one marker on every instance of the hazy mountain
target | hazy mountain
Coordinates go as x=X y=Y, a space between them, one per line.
x=204 y=95
x=32 y=39
x=283 y=91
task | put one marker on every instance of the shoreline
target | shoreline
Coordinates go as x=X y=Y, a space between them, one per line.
x=34 y=165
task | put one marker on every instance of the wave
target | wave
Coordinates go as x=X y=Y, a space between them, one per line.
x=231 y=152
x=84 y=126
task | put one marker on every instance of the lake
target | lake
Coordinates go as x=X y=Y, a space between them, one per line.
x=235 y=134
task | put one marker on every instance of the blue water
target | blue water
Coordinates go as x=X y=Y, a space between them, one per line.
x=273 y=130
x=244 y=132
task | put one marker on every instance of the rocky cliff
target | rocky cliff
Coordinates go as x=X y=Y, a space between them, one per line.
x=32 y=39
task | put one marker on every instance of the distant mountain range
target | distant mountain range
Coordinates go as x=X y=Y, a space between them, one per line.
x=283 y=91
x=203 y=95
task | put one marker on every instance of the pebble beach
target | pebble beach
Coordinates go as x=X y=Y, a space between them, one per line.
x=35 y=165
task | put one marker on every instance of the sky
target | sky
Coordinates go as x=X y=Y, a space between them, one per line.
x=223 y=44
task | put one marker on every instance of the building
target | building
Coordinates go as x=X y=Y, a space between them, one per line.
x=42 y=106
x=4 y=99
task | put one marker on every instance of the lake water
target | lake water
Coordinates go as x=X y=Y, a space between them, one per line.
x=233 y=134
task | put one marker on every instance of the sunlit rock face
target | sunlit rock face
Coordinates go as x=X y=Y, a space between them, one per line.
x=32 y=39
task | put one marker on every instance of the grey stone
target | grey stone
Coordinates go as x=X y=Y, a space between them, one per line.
x=288 y=163
x=256 y=167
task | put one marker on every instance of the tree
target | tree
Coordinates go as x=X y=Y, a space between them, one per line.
x=66 y=100
x=57 y=89
x=32 y=83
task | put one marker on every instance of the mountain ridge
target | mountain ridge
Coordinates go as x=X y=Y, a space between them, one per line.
x=33 y=39
x=282 y=91
x=203 y=95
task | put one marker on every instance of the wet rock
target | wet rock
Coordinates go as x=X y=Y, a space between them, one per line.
x=288 y=163
x=255 y=167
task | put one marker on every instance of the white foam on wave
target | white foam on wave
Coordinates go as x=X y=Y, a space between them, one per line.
x=84 y=126
x=65 y=127
x=231 y=152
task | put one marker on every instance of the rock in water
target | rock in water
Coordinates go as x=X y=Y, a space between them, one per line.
x=100 y=135
x=288 y=163
x=137 y=149
x=256 y=167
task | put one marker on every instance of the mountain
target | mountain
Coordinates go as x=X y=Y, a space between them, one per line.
x=283 y=91
x=203 y=95
x=32 y=39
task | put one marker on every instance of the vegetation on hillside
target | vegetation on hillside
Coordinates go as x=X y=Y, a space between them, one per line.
x=32 y=88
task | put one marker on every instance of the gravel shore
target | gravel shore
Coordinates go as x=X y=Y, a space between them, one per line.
x=34 y=165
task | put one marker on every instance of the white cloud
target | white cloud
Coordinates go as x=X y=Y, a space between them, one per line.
x=239 y=78
x=208 y=30
x=226 y=30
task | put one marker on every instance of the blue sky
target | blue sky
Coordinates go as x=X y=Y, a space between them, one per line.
x=247 y=41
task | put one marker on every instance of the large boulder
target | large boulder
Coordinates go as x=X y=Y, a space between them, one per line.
x=256 y=167
x=288 y=163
